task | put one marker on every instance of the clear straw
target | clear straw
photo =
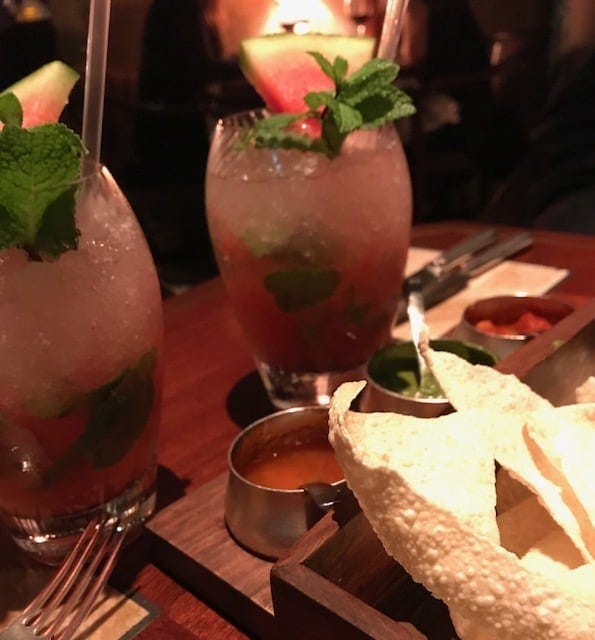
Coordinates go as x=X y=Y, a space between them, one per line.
x=97 y=40
x=391 y=28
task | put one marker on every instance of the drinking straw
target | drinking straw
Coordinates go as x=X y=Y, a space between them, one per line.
x=97 y=39
x=391 y=28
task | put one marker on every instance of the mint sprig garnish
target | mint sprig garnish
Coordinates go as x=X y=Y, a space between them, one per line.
x=11 y=112
x=367 y=99
x=38 y=170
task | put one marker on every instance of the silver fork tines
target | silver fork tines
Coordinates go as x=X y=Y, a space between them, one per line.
x=60 y=608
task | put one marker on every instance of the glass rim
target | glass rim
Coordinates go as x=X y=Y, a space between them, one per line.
x=88 y=170
x=90 y=167
x=242 y=119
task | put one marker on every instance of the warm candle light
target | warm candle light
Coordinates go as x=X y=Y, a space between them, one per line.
x=303 y=17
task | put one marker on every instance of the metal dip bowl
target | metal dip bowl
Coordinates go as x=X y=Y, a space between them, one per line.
x=505 y=310
x=392 y=375
x=265 y=520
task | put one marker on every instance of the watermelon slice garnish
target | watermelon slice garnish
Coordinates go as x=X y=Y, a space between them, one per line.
x=44 y=93
x=280 y=69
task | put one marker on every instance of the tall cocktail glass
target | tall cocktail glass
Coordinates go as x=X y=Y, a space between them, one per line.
x=80 y=376
x=312 y=252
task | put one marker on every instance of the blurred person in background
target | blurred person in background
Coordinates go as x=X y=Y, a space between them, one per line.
x=506 y=109
x=553 y=186
x=444 y=57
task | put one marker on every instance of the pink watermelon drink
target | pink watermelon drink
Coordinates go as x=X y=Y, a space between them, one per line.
x=311 y=245
x=80 y=354
x=313 y=258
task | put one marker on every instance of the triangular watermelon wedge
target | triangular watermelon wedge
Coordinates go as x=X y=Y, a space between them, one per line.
x=282 y=72
x=44 y=93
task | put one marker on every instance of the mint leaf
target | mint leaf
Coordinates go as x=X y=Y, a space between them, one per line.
x=340 y=67
x=118 y=414
x=346 y=117
x=297 y=289
x=391 y=104
x=372 y=76
x=367 y=99
x=11 y=112
x=335 y=71
x=317 y=99
x=272 y=133
x=332 y=136
x=57 y=232
x=38 y=167
x=290 y=248
x=279 y=246
x=405 y=382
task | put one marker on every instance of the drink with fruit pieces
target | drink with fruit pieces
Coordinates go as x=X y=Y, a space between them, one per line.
x=311 y=247
x=312 y=253
x=80 y=374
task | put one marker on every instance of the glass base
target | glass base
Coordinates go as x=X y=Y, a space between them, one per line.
x=49 y=539
x=287 y=389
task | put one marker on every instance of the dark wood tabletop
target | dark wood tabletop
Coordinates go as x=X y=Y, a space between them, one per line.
x=211 y=391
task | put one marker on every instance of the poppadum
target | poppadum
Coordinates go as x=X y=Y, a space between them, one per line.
x=459 y=562
x=585 y=392
x=562 y=442
x=406 y=441
x=519 y=410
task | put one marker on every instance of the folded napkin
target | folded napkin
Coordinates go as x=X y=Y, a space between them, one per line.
x=508 y=278
x=115 y=616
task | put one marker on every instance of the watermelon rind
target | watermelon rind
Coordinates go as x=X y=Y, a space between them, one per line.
x=280 y=69
x=44 y=93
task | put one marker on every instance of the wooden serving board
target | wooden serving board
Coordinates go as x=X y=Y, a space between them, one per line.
x=338 y=582
x=191 y=542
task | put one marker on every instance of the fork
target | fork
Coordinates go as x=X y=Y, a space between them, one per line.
x=59 y=609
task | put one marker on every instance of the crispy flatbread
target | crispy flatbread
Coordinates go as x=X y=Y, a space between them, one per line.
x=468 y=386
x=562 y=443
x=386 y=445
x=406 y=498
x=524 y=525
x=520 y=410
x=527 y=530
x=586 y=391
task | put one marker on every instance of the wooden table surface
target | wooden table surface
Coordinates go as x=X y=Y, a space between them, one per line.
x=212 y=390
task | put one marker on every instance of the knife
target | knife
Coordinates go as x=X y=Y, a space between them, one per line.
x=453 y=280
x=449 y=259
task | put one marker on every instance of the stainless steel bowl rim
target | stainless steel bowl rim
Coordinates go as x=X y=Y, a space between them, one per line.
x=254 y=425
x=401 y=396
x=563 y=307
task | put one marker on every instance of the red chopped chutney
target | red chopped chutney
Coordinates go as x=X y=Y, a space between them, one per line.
x=528 y=323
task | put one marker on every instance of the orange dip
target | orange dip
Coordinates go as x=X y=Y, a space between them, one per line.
x=293 y=467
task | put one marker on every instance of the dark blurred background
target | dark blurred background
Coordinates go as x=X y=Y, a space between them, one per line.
x=504 y=90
